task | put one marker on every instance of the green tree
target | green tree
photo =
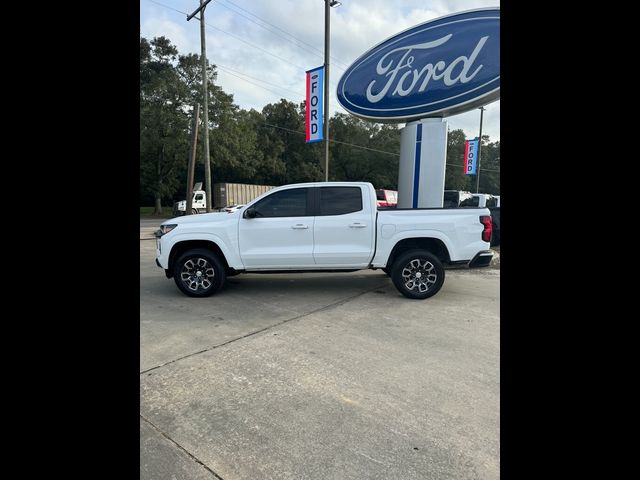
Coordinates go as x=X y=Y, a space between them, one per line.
x=232 y=151
x=265 y=147
x=372 y=163
x=455 y=178
x=269 y=168
x=286 y=154
x=349 y=163
x=163 y=121
x=385 y=138
x=490 y=166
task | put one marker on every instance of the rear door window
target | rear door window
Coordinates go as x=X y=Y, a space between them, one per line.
x=339 y=200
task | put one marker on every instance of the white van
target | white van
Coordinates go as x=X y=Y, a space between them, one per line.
x=485 y=200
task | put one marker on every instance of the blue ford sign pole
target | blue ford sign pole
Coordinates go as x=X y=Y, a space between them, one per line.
x=439 y=68
x=423 y=153
x=479 y=152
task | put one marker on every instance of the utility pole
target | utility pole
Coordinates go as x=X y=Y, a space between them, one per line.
x=192 y=159
x=203 y=54
x=327 y=38
x=327 y=34
x=479 y=152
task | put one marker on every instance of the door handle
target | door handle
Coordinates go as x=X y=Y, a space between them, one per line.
x=357 y=225
x=300 y=226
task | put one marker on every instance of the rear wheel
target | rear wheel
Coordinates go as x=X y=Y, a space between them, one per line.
x=199 y=273
x=417 y=274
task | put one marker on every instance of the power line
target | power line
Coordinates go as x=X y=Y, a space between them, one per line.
x=255 y=46
x=364 y=148
x=320 y=52
x=259 y=80
x=483 y=169
x=360 y=146
x=229 y=71
x=240 y=39
x=234 y=36
x=170 y=8
x=331 y=140
x=261 y=86
x=257 y=85
x=300 y=97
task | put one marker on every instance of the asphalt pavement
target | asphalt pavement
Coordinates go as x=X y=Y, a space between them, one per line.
x=319 y=376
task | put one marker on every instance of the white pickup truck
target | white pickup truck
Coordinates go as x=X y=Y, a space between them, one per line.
x=326 y=226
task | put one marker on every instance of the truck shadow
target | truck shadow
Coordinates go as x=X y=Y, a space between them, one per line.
x=308 y=283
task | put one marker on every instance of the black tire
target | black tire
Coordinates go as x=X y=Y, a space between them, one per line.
x=406 y=268
x=387 y=271
x=194 y=211
x=211 y=278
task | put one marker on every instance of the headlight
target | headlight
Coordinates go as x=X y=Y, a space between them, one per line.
x=164 y=229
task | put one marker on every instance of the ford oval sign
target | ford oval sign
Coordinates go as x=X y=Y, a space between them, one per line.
x=438 y=68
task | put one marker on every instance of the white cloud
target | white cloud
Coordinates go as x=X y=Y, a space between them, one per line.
x=158 y=26
x=470 y=122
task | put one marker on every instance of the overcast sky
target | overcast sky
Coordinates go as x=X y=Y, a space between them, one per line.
x=262 y=49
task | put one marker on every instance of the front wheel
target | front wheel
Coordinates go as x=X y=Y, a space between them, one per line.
x=199 y=273
x=417 y=274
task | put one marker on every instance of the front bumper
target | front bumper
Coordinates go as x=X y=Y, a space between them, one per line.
x=482 y=259
x=166 y=271
x=162 y=259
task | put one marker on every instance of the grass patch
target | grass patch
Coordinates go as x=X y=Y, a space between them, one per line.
x=167 y=212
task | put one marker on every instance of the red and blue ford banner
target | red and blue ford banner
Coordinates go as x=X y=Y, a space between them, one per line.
x=314 y=120
x=470 y=156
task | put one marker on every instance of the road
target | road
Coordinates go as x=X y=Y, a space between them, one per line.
x=151 y=222
x=148 y=226
x=319 y=376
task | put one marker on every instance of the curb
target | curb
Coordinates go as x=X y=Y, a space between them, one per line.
x=147 y=233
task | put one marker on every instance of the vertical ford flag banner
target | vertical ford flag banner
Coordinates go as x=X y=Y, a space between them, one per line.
x=471 y=156
x=314 y=119
x=439 y=68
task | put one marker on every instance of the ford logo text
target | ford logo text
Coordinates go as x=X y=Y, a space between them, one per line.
x=439 y=68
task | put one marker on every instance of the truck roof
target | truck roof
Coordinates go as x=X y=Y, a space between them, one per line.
x=325 y=184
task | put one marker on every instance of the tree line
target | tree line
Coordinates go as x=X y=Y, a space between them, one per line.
x=266 y=147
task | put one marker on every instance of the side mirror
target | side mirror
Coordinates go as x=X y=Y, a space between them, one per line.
x=250 y=213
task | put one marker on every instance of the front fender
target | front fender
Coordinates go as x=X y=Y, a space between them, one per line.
x=230 y=253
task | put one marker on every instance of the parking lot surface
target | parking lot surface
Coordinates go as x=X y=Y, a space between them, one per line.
x=319 y=376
